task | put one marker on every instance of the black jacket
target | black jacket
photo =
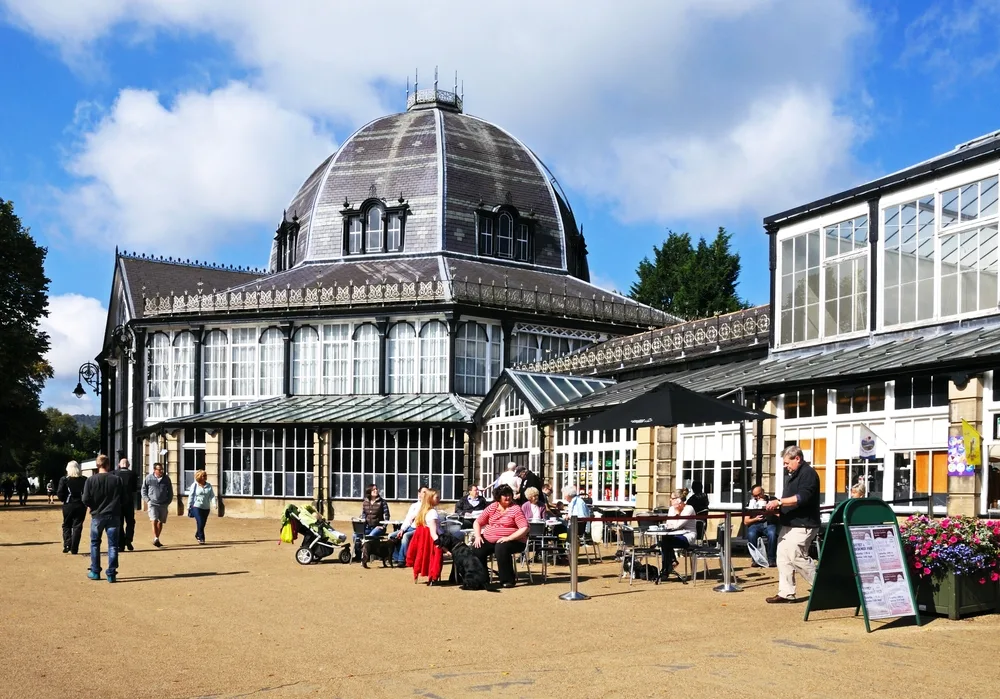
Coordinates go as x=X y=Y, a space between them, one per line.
x=130 y=486
x=463 y=506
x=804 y=484
x=103 y=495
x=70 y=490
x=530 y=480
x=699 y=502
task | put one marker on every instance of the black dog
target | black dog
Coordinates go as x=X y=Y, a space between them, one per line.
x=377 y=548
x=466 y=567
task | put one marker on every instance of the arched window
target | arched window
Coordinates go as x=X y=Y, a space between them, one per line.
x=158 y=376
x=243 y=374
x=505 y=236
x=394 y=233
x=305 y=361
x=354 y=235
x=272 y=362
x=337 y=359
x=366 y=359
x=434 y=357
x=215 y=350
x=402 y=350
x=182 y=371
x=471 y=359
x=525 y=347
x=373 y=230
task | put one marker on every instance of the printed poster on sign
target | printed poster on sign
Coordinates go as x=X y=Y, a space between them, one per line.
x=881 y=570
x=874 y=594
x=887 y=550
x=864 y=550
x=957 y=465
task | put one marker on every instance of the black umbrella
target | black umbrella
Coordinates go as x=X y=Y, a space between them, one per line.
x=667 y=405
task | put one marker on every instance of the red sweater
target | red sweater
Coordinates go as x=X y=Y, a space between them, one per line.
x=496 y=524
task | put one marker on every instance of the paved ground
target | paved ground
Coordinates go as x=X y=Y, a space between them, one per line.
x=239 y=618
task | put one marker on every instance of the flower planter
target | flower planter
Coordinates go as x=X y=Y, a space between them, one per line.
x=956 y=595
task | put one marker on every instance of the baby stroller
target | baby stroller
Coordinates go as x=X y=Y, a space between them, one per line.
x=319 y=539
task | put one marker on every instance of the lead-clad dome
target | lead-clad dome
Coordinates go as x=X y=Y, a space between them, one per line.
x=444 y=165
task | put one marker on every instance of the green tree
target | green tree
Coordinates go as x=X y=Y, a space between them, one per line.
x=23 y=369
x=690 y=281
x=64 y=439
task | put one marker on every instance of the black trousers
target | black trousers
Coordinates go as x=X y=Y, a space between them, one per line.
x=504 y=553
x=128 y=527
x=73 y=515
x=667 y=546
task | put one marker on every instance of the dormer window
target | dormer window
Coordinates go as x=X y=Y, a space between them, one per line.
x=503 y=233
x=374 y=227
x=286 y=240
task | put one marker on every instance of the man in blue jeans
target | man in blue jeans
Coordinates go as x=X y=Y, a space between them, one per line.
x=102 y=493
x=761 y=523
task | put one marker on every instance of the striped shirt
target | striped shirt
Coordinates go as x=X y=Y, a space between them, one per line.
x=496 y=524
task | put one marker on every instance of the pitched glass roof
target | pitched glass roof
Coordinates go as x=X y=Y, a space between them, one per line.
x=432 y=408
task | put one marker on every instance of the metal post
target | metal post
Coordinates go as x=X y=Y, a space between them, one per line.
x=727 y=563
x=574 y=558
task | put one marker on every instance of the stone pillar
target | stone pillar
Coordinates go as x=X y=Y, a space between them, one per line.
x=547 y=457
x=965 y=403
x=665 y=466
x=645 y=457
x=213 y=464
x=321 y=473
x=772 y=464
x=172 y=463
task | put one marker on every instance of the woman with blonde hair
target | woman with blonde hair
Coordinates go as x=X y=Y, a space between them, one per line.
x=201 y=498
x=70 y=494
x=423 y=555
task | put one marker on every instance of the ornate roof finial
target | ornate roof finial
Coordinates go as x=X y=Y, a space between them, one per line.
x=435 y=78
x=407 y=88
x=508 y=198
x=372 y=191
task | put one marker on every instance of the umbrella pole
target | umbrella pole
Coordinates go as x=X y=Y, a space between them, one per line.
x=728 y=585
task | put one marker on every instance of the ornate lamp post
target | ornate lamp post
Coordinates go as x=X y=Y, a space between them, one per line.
x=90 y=374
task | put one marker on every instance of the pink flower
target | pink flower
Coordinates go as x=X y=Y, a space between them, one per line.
x=927 y=571
x=982 y=581
x=953 y=540
x=932 y=531
x=933 y=554
x=975 y=539
x=994 y=576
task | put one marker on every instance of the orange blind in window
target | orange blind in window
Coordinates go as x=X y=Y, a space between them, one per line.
x=841 y=485
x=921 y=478
x=939 y=469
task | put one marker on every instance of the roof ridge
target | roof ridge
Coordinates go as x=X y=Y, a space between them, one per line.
x=196 y=263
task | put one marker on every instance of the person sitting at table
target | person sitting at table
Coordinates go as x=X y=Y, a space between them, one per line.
x=528 y=480
x=501 y=530
x=680 y=533
x=374 y=511
x=762 y=524
x=406 y=529
x=532 y=508
x=697 y=499
x=422 y=555
x=471 y=502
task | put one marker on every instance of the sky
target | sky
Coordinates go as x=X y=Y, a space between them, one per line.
x=184 y=127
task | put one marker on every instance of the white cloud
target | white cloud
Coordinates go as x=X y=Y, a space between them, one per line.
x=610 y=88
x=178 y=178
x=606 y=282
x=75 y=326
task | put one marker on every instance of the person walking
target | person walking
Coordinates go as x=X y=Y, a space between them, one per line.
x=102 y=493
x=157 y=493
x=50 y=490
x=201 y=498
x=70 y=494
x=22 y=490
x=8 y=491
x=799 y=506
x=130 y=487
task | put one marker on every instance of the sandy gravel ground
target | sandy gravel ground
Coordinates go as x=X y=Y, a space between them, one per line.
x=239 y=618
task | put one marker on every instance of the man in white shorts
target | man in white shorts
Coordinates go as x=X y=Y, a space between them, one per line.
x=157 y=493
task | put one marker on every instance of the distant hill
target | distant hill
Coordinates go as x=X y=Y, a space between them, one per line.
x=91 y=421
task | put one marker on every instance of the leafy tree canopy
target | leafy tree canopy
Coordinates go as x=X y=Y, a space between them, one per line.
x=64 y=439
x=690 y=281
x=23 y=369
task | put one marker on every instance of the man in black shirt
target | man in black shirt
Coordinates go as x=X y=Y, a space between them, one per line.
x=102 y=493
x=529 y=480
x=799 y=524
x=130 y=486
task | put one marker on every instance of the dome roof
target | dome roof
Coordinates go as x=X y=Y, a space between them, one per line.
x=444 y=165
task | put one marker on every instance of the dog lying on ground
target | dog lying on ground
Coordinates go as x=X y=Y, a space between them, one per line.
x=467 y=569
x=377 y=548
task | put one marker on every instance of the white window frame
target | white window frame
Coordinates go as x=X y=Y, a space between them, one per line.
x=337 y=359
x=433 y=351
x=306 y=361
x=935 y=188
x=577 y=462
x=820 y=224
x=271 y=358
x=365 y=342
x=376 y=214
x=402 y=349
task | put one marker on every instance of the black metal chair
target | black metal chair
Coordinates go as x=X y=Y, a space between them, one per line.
x=632 y=551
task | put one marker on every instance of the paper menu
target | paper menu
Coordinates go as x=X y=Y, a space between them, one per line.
x=882 y=575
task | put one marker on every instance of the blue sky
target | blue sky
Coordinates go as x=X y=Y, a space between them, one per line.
x=183 y=127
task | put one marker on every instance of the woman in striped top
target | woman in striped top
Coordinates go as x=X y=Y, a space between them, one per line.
x=501 y=530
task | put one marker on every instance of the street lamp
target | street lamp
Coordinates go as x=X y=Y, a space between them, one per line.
x=90 y=374
x=123 y=338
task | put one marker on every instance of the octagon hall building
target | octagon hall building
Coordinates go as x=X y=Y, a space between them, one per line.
x=414 y=266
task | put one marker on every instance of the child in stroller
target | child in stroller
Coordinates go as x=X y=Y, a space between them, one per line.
x=319 y=539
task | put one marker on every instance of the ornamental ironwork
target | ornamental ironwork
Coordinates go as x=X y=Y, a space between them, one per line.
x=747 y=328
